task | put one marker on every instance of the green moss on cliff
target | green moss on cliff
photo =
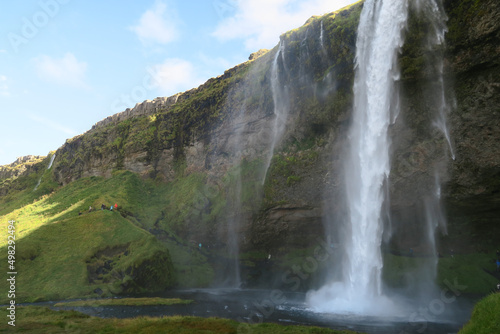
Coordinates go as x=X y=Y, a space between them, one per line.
x=285 y=171
x=462 y=14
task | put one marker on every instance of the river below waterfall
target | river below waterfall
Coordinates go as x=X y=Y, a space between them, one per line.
x=255 y=306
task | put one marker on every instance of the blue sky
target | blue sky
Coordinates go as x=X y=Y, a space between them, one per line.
x=67 y=64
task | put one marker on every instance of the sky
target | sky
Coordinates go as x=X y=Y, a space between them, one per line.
x=67 y=64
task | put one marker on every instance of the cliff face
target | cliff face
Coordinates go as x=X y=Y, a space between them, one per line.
x=219 y=134
x=19 y=167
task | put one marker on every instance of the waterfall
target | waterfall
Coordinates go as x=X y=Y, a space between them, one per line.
x=380 y=36
x=233 y=197
x=322 y=37
x=51 y=161
x=433 y=10
x=434 y=212
x=367 y=165
x=233 y=245
x=50 y=165
x=281 y=105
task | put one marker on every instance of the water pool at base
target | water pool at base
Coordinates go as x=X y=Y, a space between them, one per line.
x=255 y=306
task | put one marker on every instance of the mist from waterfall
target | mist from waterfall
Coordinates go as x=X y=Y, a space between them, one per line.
x=380 y=37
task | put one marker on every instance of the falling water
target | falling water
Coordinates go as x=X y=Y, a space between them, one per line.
x=435 y=217
x=51 y=161
x=367 y=166
x=50 y=165
x=233 y=220
x=432 y=10
x=322 y=37
x=281 y=105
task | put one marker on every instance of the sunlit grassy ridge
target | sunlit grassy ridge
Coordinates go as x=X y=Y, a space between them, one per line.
x=52 y=260
x=57 y=247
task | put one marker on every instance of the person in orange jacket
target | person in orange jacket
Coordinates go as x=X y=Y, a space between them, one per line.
x=116 y=206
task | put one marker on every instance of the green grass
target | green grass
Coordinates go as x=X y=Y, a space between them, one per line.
x=485 y=317
x=52 y=259
x=43 y=320
x=124 y=302
x=55 y=245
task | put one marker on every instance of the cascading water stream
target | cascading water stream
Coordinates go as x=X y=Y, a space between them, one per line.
x=431 y=9
x=322 y=37
x=234 y=202
x=367 y=167
x=380 y=36
x=281 y=105
x=51 y=161
x=50 y=165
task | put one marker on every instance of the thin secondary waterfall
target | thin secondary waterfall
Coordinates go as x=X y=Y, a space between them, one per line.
x=433 y=10
x=434 y=212
x=281 y=105
x=380 y=36
x=233 y=278
x=51 y=161
x=50 y=165
x=322 y=36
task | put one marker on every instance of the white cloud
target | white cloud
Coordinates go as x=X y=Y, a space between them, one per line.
x=175 y=75
x=157 y=25
x=4 y=87
x=53 y=125
x=66 y=70
x=3 y=51
x=261 y=22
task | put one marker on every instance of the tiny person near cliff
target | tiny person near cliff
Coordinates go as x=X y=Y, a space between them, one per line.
x=116 y=206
